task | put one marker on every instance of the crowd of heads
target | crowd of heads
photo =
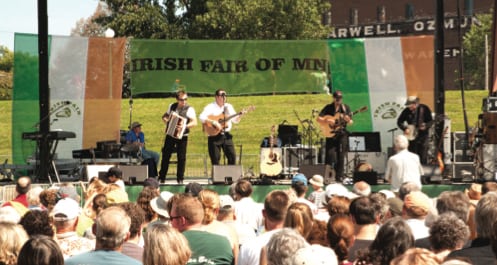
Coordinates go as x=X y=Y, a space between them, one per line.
x=358 y=226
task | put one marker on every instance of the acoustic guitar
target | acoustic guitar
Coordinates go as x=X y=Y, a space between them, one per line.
x=271 y=160
x=334 y=124
x=212 y=130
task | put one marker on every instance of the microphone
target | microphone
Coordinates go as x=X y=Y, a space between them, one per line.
x=393 y=130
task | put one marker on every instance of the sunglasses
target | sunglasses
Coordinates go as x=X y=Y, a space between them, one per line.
x=222 y=95
x=182 y=99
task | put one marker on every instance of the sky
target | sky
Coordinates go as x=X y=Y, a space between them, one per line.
x=22 y=16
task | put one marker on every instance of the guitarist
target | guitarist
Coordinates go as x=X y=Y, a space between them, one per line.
x=415 y=121
x=171 y=144
x=336 y=146
x=223 y=140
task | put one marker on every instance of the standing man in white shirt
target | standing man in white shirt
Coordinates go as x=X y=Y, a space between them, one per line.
x=404 y=166
x=217 y=119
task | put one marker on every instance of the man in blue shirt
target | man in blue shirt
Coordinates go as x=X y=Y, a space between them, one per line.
x=137 y=137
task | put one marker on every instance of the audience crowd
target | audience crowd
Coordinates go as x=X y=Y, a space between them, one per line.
x=308 y=223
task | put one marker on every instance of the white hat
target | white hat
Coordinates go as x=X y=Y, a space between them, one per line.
x=67 y=207
x=159 y=204
x=336 y=189
x=388 y=193
x=225 y=201
x=317 y=180
x=314 y=255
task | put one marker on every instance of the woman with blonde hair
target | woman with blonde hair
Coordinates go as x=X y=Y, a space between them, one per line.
x=299 y=217
x=164 y=245
x=211 y=204
x=12 y=238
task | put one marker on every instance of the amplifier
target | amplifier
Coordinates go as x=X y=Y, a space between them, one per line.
x=134 y=174
x=226 y=174
x=377 y=161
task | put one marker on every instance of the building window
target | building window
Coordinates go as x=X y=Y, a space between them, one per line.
x=354 y=16
x=381 y=14
x=409 y=11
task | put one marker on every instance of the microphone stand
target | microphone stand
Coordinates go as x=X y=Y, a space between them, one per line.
x=130 y=110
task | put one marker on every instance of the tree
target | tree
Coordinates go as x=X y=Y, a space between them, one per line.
x=262 y=19
x=474 y=51
x=216 y=19
x=6 y=59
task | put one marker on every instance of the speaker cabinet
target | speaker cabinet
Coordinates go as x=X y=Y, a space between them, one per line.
x=370 y=177
x=133 y=174
x=324 y=170
x=226 y=174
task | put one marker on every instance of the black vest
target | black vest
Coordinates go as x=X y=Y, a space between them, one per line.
x=182 y=113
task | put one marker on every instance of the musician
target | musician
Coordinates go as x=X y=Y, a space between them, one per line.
x=415 y=121
x=223 y=140
x=336 y=146
x=171 y=144
x=137 y=137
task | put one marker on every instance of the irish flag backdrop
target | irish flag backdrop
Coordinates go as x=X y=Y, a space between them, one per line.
x=85 y=78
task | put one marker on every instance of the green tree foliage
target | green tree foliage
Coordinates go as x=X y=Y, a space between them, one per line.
x=263 y=19
x=6 y=59
x=217 y=19
x=474 y=51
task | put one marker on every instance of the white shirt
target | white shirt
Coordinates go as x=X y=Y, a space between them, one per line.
x=250 y=252
x=249 y=212
x=212 y=109
x=403 y=167
x=418 y=228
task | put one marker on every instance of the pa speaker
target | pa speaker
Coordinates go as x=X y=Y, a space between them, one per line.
x=134 y=174
x=370 y=177
x=324 y=170
x=490 y=127
x=226 y=174
x=99 y=171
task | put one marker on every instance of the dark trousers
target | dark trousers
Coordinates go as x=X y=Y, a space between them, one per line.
x=221 y=142
x=336 y=149
x=420 y=146
x=172 y=145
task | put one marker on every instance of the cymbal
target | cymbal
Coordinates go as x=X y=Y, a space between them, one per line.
x=130 y=148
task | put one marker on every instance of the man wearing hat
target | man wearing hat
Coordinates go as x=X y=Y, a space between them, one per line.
x=137 y=137
x=415 y=121
x=337 y=116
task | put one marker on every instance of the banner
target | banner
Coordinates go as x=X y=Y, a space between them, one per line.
x=240 y=67
x=85 y=86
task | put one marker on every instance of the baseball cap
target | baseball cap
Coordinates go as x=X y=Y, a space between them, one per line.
x=226 y=201
x=68 y=208
x=299 y=177
x=411 y=100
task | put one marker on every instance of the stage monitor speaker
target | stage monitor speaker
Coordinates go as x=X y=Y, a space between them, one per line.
x=226 y=174
x=133 y=174
x=326 y=171
x=464 y=172
x=370 y=177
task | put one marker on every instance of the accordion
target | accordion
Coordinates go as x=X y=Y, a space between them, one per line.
x=176 y=126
